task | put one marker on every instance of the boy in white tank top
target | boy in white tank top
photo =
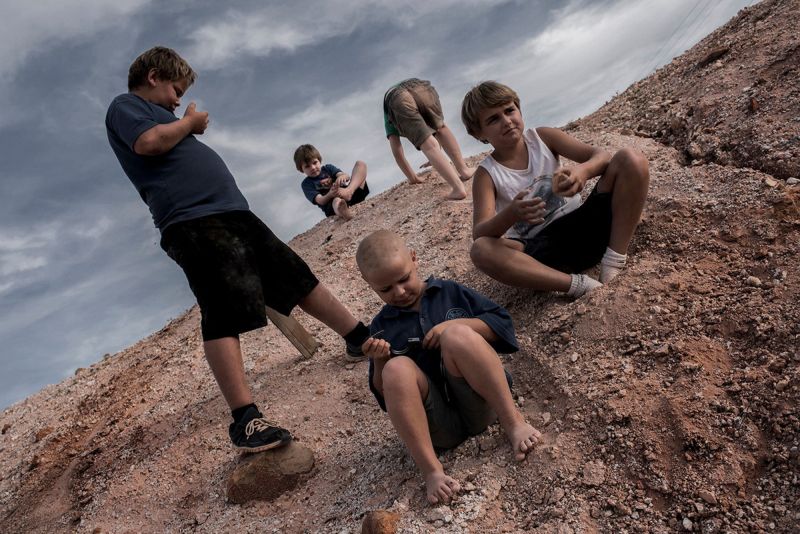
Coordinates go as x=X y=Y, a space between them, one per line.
x=530 y=228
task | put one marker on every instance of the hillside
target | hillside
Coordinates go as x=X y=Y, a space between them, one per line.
x=668 y=399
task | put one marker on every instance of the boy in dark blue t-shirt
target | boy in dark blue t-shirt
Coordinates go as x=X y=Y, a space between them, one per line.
x=327 y=186
x=234 y=264
x=433 y=360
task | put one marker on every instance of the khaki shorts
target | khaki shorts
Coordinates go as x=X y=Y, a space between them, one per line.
x=414 y=109
x=467 y=413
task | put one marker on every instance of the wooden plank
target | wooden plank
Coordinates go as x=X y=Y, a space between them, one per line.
x=294 y=332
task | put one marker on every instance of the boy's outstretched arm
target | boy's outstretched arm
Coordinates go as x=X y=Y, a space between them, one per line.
x=163 y=137
x=592 y=161
x=400 y=158
x=485 y=223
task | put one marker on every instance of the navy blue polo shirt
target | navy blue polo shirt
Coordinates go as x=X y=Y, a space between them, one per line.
x=312 y=185
x=443 y=300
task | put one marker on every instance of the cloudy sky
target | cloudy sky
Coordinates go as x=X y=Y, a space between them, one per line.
x=81 y=273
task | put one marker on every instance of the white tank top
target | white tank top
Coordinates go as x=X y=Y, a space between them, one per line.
x=538 y=178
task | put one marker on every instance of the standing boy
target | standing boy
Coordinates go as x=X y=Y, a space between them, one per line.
x=529 y=225
x=234 y=264
x=433 y=360
x=412 y=109
x=327 y=186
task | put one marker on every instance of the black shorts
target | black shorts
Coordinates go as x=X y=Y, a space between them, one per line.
x=236 y=267
x=576 y=241
x=359 y=196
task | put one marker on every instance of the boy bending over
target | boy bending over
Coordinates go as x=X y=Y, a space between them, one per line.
x=529 y=225
x=234 y=264
x=412 y=109
x=329 y=187
x=433 y=360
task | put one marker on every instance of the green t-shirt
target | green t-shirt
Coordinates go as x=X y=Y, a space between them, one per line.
x=387 y=124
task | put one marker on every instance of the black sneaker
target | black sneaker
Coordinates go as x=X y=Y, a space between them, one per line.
x=354 y=353
x=253 y=433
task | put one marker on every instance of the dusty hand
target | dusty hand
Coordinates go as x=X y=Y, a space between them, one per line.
x=568 y=182
x=198 y=119
x=530 y=210
x=432 y=339
x=377 y=349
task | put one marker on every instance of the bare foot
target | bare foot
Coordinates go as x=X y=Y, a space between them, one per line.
x=343 y=210
x=455 y=194
x=523 y=438
x=440 y=488
x=467 y=176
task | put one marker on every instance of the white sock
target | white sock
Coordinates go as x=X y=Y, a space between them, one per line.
x=611 y=265
x=581 y=284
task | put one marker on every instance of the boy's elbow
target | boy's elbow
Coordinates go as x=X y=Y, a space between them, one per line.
x=148 y=145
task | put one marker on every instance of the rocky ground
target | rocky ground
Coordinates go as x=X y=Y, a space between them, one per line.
x=668 y=399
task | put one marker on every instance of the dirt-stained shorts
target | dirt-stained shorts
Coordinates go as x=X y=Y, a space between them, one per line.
x=236 y=267
x=414 y=109
x=467 y=413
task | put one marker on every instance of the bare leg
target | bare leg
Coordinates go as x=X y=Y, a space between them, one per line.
x=628 y=177
x=439 y=161
x=325 y=307
x=224 y=356
x=450 y=146
x=341 y=209
x=467 y=354
x=504 y=260
x=357 y=179
x=404 y=388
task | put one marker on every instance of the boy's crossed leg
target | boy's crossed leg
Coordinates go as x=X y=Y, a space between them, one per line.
x=357 y=179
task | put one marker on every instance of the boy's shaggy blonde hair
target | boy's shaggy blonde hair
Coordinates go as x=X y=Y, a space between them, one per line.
x=304 y=154
x=489 y=94
x=168 y=64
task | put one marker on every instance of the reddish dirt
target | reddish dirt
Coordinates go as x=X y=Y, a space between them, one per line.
x=678 y=413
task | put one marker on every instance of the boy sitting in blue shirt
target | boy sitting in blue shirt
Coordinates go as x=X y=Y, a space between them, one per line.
x=433 y=360
x=327 y=186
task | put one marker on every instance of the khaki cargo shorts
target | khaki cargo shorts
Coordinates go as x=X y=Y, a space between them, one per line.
x=414 y=109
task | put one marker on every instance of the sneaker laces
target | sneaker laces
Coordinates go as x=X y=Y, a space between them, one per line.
x=257 y=425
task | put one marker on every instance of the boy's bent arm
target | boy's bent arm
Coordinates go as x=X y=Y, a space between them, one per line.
x=485 y=223
x=400 y=158
x=162 y=138
x=593 y=160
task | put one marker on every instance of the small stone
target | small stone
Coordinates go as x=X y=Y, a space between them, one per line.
x=546 y=417
x=792 y=181
x=594 y=473
x=573 y=357
x=380 y=522
x=753 y=281
x=782 y=385
x=770 y=182
x=687 y=523
x=6 y=428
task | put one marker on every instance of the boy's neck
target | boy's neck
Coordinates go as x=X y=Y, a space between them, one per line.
x=518 y=153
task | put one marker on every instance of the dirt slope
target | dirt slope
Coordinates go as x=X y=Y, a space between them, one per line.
x=668 y=399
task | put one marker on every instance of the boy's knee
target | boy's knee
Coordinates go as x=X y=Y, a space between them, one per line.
x=633 y=160
x=398 y=372
x=457 y=338
x=480 y=252
x=360 y=163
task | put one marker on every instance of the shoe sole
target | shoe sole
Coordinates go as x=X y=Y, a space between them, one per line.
x=354 y=359
x=263 y=448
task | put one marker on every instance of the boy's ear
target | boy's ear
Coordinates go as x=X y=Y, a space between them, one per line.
x=152 y=77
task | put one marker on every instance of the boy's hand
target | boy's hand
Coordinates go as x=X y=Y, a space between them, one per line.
x=568 y=182
x=198 y=119
x=530 y=210
x=377 y=349
x=432 y=339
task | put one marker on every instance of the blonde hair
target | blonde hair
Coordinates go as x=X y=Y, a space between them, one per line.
x=304 y=154
x=169 y=66
x=485 y=95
